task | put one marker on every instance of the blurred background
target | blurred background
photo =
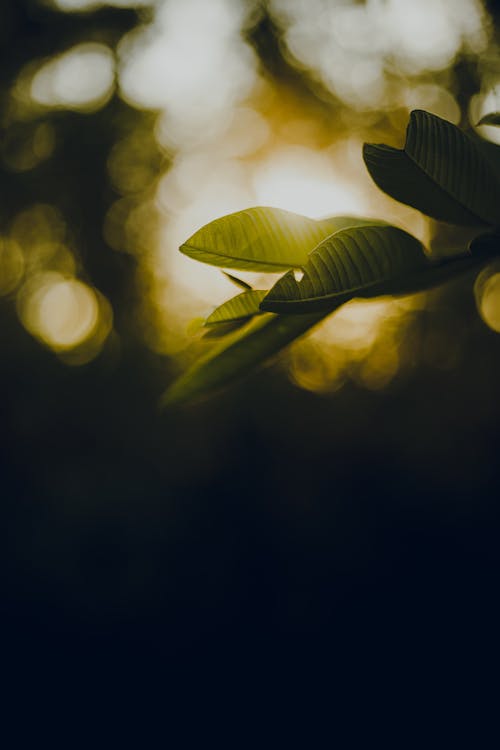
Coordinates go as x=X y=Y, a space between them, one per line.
x=350 y=485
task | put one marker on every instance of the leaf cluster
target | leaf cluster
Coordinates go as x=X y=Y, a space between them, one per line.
x=440 y=171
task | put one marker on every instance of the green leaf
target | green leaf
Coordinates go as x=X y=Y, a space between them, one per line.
x=244 y=305
x=237 y=355
x=239 y=282
x=221 y=330
x=262 y=239
x=356 y=262
x=440 y=171
x=368 y=262
x=493 y=118
x=261 y=338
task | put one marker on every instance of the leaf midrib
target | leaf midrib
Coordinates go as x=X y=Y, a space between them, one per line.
x=279 y=266
x=389 y=279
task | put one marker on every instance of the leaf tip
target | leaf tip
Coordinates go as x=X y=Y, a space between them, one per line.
x=239 y=282
x=372 y=152
x=186 y=248
x=175 y=395
x=493 y=118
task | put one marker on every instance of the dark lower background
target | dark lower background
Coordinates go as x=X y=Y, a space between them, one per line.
x=266 y=510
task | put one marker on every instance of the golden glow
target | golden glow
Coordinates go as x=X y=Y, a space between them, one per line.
x=316 y=370
x=483 y=104
x=61 y=312
x=132 y=163
x=233 y=139
x=24 y=147
x=40 y=233
x=81 y=78
x=181 y=63
x=304 y=180
x=66 y=315
x=354 y=49
x=356 y=326
x=379 y=368
x=435 y=99
x=37 y=225
x=11 y=265
x=359 y=342
x=224 y=135
x=488 y=296
x=234 y=142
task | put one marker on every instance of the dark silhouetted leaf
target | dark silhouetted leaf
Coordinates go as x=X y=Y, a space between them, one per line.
x=261 y=338
x=239 y=282
x=487 y=245
x=244 y=305
x=368 y=262
x=222 y=329
x=262 y=239
x=354 y=262
x=238 y=354
x=492 y=119
x=440 y=171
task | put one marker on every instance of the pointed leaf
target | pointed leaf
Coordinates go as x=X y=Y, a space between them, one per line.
x=244 y=305
x=239 y=282
x=238 y=355
x=354 y=262
x=221 y=330
x=368 y=262
x=440 y=171
x=492 y=119
x=264 y=336
x=262 y=239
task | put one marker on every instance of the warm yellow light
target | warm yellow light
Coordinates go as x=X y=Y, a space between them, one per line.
x=11 y=265
x=358 y=324
x=37 y=225
x=482 y=104
x=304 y=180
x=82 y=78
x=379 y=368
x=316 y=369
x=489 y=301
x=191 y=62
x=26 y=146
x=435 y=99
x=355 y=48
x=62 y=312
x=40 y=232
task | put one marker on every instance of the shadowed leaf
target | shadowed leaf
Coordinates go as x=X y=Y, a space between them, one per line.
x=262 y=239
x=238 y=355
x=355 y=262
x=486 y=245
x=239 y=282
x=244 y=305
x=368 y=262
x=222 y=329
x=440 y=171
x=492 y=119
x=261 y=338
